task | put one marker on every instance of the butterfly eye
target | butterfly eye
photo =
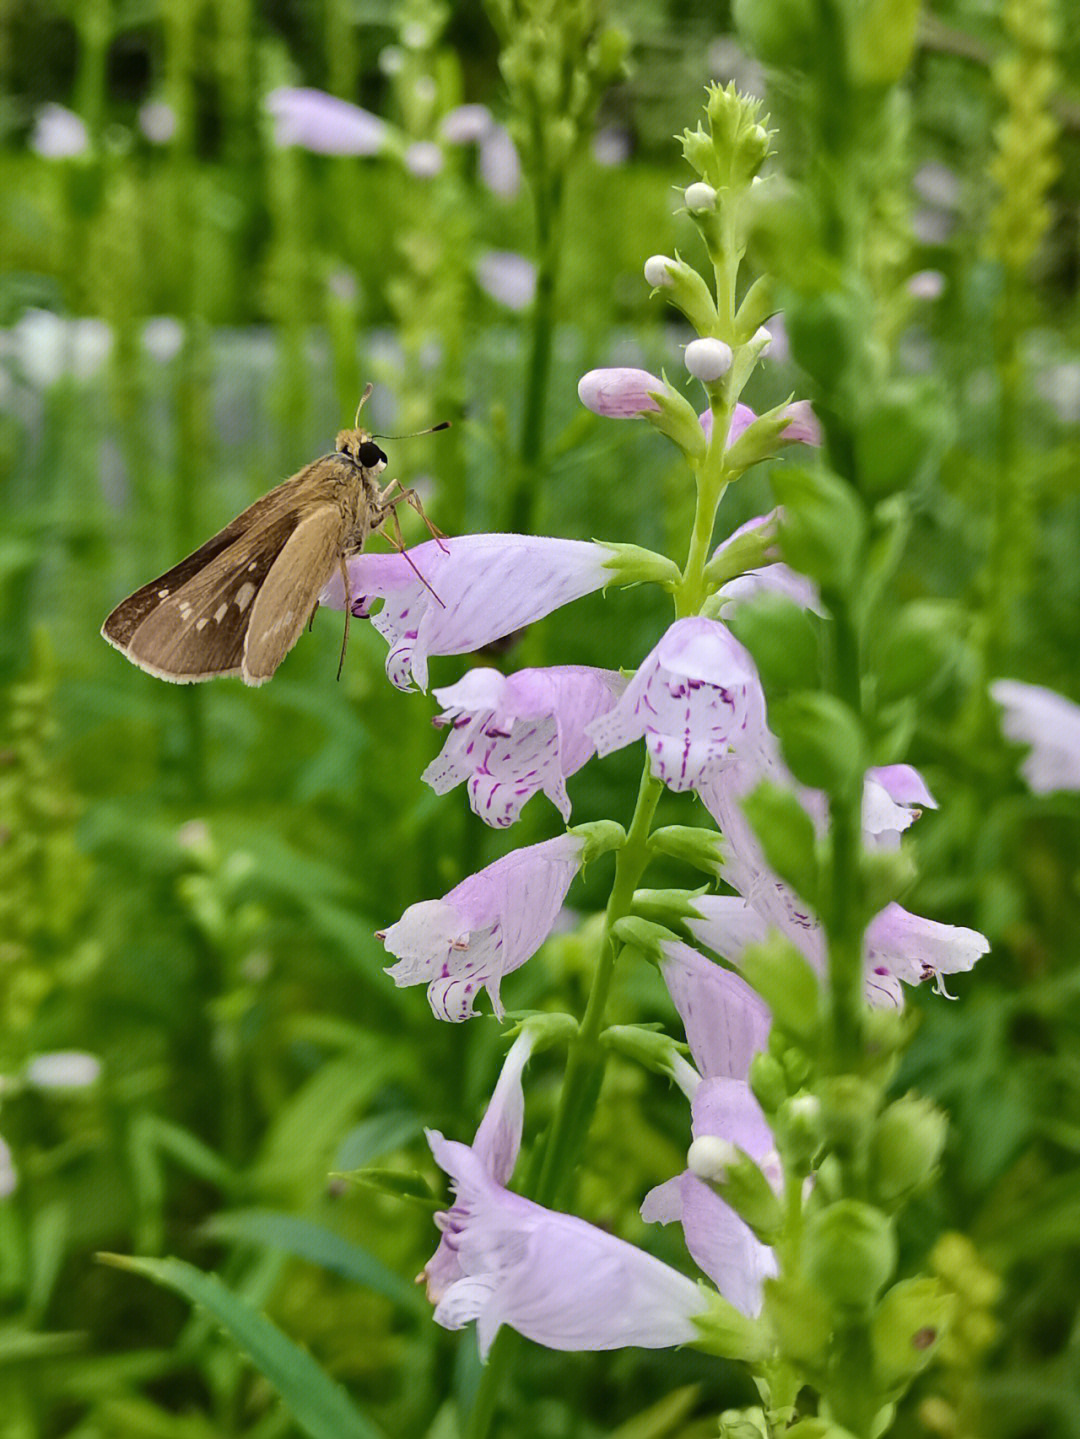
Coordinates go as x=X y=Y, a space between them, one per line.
x=369 y=455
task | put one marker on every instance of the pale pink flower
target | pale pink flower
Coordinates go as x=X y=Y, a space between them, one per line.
x=484 y=928
x=63 y=1069
x=721 y=1243
x=323 y=123
x=620 y=393
x=554 y=1278
x=695 y=695
x=1050 y=724
x=157 y=121
x=466 y=124
x=59 y=134
x=514 y=735
x=499 y=165
x=474 y=589
x=507 y=277
x=726 y=1022
x=772 y=576
x=496 y=1146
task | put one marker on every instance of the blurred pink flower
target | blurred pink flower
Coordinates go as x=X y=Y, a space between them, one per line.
x=466 y=124
x=424 y=159
x=507 y=277
x=324 y=124
x=499 y=165
x=59 y=134
x=1050 y=724
x=157 y=121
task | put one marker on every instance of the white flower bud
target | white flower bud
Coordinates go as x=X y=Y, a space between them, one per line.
x=710 y=1158
x=762 y=340
x=699 y=197
x=708 y=360
x=656 y=271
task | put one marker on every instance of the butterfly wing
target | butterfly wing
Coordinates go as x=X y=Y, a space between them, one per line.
x=285 y=601
x=129 y=614
x=197 y=630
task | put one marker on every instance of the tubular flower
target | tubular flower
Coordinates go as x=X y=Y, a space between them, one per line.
x=554 y=1278
x=1050 y=724
x=484 y=928
x=726 y=1023
x=450 y=597
x=693 y=698
x=513 y=735
x=324 y=124
x=619 y=393
x=721 y=1243
x=496 y=1146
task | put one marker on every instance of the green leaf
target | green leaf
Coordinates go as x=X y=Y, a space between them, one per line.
x=319 y=1405
x=318 y=1245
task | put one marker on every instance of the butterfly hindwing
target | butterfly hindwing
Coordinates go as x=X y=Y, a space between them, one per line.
x=198 y=630
x=291 y=590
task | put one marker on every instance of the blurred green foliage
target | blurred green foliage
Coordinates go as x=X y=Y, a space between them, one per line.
x=191 y=878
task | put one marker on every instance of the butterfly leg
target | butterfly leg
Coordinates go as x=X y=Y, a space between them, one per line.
x=410 y=497
x=348 y=612
x=398 y=542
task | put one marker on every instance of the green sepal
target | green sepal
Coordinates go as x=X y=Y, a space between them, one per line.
x=748 y=551
x=886 y=875
x=787 y=836
x=598 y=837
x=701 y=848
x=727 y=1333
x=782 y=638
x=761 y=439
x=635 y=565
x=758 y=304
x=667 y=906
x=822 y=740
x=740 y=1183
x=648 y=1046
x=800 y=1317
x=677 y=419
x=788 y=985
x=644 y=935
x=914 y=645
x=408 y=1187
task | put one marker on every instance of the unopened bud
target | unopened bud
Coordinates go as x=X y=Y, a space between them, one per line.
x=906 y=1147
x=656 y=271
x=708 y=360
x=739 y=1182
x=850 y=1252
x=906 y=1329
x=699 y=197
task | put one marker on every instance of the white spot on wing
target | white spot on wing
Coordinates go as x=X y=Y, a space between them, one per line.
x=244 y=595
x=219 y=613
x=163 y=594
x=201 y=624
x=253 y=566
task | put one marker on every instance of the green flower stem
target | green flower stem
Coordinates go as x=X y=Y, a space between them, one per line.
x=581 y=1079
x=712 y=480
x=530 y=450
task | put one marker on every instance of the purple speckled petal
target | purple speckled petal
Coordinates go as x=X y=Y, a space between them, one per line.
x=512 y=736
x=484 y=928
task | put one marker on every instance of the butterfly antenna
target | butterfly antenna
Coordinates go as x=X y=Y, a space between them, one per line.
x=363 y=401
x=442 y=425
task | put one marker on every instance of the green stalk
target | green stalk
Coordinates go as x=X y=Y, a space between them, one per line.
x=844 y=922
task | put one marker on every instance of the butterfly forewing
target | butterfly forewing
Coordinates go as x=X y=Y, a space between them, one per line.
x=197 y=631
x=286 y=599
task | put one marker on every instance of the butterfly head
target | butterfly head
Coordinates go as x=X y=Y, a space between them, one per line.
x=359 y=446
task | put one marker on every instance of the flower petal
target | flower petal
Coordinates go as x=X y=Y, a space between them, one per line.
x=726 y=1023
x=475 y=589
x=484 y=928
x=323 y=123
x=1050 y=724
